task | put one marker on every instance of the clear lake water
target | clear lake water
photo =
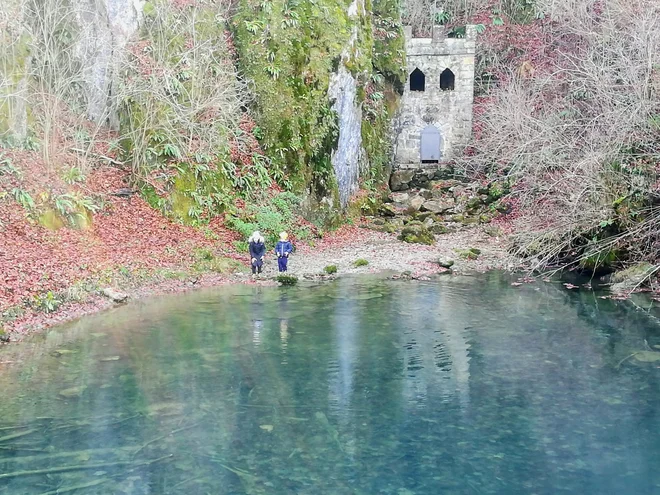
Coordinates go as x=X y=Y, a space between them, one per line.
x=464 y=385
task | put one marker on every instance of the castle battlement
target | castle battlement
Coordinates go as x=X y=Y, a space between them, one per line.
x=435 y=117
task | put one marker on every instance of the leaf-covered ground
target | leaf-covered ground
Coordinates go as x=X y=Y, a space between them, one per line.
x=126 y=233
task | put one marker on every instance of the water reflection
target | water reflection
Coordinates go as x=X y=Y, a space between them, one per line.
x=466 y=385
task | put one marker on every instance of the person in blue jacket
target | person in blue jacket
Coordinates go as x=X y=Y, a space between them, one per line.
x=257 y=247
x=282 y=250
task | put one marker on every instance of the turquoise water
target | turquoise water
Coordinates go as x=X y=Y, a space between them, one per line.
x=466 y=385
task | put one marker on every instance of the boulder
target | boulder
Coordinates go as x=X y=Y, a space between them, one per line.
x=114 y=295
x=420 y=180
x=415 y=203
x=421 y=216
x=445 y=262
x=426 y=194
x=440 y=187
x=387 y=227
x=627 y=280
x=438 y=229
x=439 y=206
x=415 y=232
x=444 y=172
x=400 y=179
x=400 y=197
x=428 y=222
x=457 y=190
x=386 y=210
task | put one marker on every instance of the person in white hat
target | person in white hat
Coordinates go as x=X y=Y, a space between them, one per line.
x=257 y=247
x=282 y=250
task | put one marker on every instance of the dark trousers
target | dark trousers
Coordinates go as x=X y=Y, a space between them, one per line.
x=256 y=266
x=281 y=263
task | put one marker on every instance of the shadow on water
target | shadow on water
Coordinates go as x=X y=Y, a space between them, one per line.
x=466 y=385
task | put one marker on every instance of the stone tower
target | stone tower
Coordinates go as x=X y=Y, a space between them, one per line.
x=435 y=118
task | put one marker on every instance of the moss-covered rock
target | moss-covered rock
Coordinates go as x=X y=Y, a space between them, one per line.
x=468 y=254
x=631 y=278
x=387 y=227
x=438 y=229
x=416 y=233
x=445 y=263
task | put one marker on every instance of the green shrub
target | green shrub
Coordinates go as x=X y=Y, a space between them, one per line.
x=204 y=254
x=277 y=215
x=241 y=246
x=360 y=262
x=8 y=168
x=47 y=303
x=73 y=175
x=287 y=279
x=330 y=269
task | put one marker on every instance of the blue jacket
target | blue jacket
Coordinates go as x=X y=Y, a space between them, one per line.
x=257 y=250
x=283 y=248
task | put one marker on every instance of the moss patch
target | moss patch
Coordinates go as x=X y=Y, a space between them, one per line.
x=416 y=233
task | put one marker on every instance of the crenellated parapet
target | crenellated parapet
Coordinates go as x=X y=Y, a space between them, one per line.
x=435 y=118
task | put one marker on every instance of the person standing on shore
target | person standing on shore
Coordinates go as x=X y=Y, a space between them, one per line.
x=283 y=249
x=257 y=247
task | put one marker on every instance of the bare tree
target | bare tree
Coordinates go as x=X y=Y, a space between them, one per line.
x=178 y=101
x=578 y=139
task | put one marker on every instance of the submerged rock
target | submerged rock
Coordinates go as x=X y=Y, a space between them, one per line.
x=647 y=356
x=69 y=393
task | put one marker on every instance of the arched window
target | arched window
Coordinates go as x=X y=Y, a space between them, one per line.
x=417 y=80
x=447 y=80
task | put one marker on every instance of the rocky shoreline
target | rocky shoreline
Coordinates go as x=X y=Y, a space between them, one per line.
x=383 y=252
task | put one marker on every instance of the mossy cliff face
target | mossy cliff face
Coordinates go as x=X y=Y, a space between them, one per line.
x=320 y=77
x=290 y=51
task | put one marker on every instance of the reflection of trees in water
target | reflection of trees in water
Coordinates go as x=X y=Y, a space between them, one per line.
x=435 y=346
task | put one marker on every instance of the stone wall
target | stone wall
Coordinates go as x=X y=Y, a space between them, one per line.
x=450 y=111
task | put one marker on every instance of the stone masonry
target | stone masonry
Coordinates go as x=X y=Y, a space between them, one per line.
x=448 y=110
